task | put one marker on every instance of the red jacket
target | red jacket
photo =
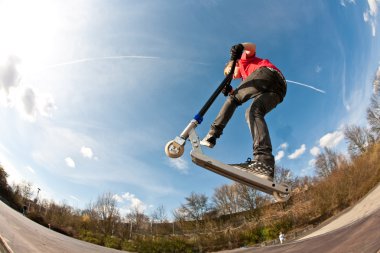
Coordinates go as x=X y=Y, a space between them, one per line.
x=249 y=65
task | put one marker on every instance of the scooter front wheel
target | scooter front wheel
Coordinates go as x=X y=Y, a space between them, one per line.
x=173 y=149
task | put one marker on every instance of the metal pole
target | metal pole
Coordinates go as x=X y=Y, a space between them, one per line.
x=227 y=80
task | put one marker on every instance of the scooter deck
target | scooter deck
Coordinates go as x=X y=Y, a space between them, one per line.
x=236 y=174
x=231 y=172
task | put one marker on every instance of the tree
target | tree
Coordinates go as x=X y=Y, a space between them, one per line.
x=195 y=208
x=159 y=214
x=3 y=178
x=283 y=175
x=137 y=219
x=25 y=190
x=326 y=162
x=226 y=199
x=373 y=115
x=358 y=139
x=107 y=212
x=250 y=199
x=5 y=189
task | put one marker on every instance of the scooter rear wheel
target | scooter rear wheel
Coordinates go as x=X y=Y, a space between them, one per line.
x=281 y=197
x=173 y=149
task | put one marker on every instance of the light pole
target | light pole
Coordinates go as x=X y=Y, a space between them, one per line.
x=38 y=191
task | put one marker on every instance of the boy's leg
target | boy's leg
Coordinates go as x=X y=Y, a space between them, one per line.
x=246 y=90
x=223 y=116
x=220 y=122
x=241 y=94
x=262 y=146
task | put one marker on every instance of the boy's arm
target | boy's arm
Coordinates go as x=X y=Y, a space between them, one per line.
x=227 y=70
x=250 y=51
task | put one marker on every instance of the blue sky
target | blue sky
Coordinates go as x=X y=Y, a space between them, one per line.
x=91 y=91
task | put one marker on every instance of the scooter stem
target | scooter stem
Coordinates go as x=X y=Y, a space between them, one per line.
x=227 y=80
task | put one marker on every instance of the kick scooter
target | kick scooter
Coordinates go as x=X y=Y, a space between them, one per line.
x=176 y=147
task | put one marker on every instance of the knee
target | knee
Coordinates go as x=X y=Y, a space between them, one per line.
x=233 y=100
x=254 y=112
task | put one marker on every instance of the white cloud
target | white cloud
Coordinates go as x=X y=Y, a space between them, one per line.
x=315 y=151
x=117 y=198
x=343 y=2
x=318 y=69
x=298 y=152
x=46 y=105
x=179 y=164
x=32 y=104
x=279 y=155
x=9 y=73
x=86 y=152
x=311 y=163
x=70 y=162
x=29 y=104
x=331 y=140
x=9 y=167
x=370 y=15
x=132 y=202
x=376 y=82
x=27 y=101
x=284 y=145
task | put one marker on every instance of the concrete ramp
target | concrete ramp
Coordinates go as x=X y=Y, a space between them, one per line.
x=356 y=230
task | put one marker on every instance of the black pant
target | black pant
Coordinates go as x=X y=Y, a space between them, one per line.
x=267 y=88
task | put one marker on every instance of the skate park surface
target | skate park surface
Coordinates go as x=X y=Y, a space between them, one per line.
x=357 y=229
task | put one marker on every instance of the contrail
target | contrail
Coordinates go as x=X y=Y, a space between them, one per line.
x=100 y=58
x=305 y=85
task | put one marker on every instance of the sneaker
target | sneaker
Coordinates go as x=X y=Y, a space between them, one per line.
x=258 y=168
x=208 y=141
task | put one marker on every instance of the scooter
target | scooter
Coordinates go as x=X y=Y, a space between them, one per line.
x=175 y=149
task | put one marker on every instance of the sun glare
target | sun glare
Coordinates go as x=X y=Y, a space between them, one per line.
x=27 y=30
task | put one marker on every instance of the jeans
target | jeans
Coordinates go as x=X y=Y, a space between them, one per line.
x=267 y=89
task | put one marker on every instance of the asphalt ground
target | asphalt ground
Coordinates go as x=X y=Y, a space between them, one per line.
x=355 y=230
x=362 y=236
x=23 y=235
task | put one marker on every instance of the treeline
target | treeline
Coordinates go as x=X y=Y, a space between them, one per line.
x=234 y=216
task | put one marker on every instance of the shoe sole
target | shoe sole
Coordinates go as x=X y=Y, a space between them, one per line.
x=207 y=144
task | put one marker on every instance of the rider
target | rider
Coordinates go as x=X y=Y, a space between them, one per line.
x=264 y=83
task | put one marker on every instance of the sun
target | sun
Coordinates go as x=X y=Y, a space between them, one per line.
x=28 y=29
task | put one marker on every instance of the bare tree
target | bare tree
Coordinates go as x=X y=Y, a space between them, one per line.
x=195 y=208
x=283 y=175
x=3 y=179
x=138 y=221
x=159 y=214
x=58 y=214
x=250 y=200
x=373 y=115
x=327 y=161
x=226 y=199
x=107 y=212
x=358 y=139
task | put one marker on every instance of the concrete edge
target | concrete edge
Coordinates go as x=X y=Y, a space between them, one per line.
x=5 y=246
x=335 y=217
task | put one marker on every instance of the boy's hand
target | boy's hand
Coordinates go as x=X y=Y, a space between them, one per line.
x=236 y=52
x=227 y=90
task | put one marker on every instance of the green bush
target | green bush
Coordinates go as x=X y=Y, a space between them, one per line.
x=112 y=242
x=128 y=246
x=161 y=245
x=90 y=237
